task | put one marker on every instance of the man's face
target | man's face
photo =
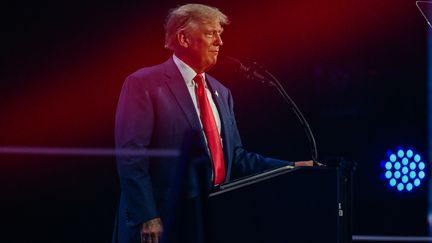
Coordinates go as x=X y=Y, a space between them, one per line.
x=204 y=42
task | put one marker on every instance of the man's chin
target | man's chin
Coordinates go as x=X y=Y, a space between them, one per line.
x=212 y=61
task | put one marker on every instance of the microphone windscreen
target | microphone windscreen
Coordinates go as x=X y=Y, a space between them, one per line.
x=234 y=63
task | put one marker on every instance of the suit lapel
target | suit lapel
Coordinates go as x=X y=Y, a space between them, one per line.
x=178 y=88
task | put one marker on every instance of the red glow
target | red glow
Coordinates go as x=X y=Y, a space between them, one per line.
x=72 y=99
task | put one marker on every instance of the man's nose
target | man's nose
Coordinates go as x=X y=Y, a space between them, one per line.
x=218 y=40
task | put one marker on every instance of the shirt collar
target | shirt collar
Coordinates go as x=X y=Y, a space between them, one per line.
x=186 y=71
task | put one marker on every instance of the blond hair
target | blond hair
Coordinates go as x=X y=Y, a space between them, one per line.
x=188 y=15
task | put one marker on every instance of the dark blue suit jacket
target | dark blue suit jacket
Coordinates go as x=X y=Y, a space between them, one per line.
x=155 y=111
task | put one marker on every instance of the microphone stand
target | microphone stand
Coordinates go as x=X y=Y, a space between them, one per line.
x=274 y=82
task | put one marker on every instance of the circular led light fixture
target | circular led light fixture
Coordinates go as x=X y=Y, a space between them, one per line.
x=404 y=170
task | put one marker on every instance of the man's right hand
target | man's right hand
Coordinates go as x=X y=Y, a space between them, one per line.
x=151 y=231
x=307 y=163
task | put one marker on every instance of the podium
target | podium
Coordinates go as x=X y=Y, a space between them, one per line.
x=283 y=205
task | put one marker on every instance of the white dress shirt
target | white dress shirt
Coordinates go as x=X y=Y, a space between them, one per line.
x=188 y=74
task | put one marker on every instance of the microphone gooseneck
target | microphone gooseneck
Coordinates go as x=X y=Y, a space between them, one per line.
x=256 y=72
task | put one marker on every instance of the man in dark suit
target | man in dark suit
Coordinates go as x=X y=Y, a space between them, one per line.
x=158 y=105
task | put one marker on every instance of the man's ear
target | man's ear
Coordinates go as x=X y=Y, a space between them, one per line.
x=182 y=39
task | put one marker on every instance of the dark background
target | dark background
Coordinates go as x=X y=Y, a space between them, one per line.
x=357 y=69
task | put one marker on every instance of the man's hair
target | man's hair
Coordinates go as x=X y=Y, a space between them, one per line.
x=188 y=15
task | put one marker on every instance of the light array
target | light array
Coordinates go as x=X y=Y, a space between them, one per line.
x=404 y=170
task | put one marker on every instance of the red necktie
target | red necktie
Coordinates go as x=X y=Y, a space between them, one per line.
x=210 y=129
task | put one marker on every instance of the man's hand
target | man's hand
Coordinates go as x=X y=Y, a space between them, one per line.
x=151 y=231
x=303 y=163
x=307 y=163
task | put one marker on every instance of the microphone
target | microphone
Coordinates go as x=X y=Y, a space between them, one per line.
x=250 y=72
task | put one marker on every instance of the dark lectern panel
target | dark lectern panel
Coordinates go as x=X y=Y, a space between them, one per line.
x=296 y=206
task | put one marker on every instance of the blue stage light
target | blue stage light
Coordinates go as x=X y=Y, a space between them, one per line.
x=397 y=174
x=400 y=153
x=397 y=165
x=409 y=153
x=388 y=174
x=421 y=174
x=404 y=170
x=422 y=166
x=388 y=165
x=409 y=187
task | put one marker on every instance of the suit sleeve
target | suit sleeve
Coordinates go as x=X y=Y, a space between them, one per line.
x=133 y=130
x=246 y=162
